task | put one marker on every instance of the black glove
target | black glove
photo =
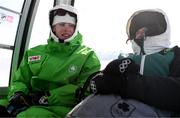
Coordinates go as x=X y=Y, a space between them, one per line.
x=121 y=67
x=19 y=102
x=39 y=98
x=4 y=113
x=106 y=84
x=97 y=84
x=112 y=80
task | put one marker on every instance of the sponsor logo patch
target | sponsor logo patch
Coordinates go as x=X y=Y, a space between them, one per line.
x=72 y=68
x=34 y=58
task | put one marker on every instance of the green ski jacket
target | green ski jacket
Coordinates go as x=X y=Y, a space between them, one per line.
x=59 y=68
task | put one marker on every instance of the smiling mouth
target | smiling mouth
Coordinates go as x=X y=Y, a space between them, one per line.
x=65 y=35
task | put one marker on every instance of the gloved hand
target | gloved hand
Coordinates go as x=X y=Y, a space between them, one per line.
x=3 y=112
x=112 y=80
x=121 y=67
x=103 y=83
x=18 y=103
x=97 y=83
x=39 y=98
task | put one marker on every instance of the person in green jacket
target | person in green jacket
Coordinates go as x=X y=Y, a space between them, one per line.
x=46 y=81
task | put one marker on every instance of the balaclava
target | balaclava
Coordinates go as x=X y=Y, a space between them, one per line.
x=68 y=14
x=157 y=34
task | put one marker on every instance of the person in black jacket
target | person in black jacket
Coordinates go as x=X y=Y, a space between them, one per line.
x=150 y=75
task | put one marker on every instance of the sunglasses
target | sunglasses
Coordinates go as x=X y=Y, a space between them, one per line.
x=62 y=12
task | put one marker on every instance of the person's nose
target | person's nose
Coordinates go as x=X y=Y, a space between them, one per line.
x=66 y=27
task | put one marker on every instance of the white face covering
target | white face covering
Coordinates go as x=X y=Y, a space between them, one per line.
x=152 y=44
x=136 y=48
x=156 y=44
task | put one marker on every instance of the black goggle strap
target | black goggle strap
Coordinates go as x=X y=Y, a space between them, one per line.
x=62 y=12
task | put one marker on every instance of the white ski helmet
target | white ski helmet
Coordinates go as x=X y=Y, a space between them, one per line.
x=68 y=13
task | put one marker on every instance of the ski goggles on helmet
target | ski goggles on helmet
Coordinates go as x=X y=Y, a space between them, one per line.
x=154 y=21
x=62 y=12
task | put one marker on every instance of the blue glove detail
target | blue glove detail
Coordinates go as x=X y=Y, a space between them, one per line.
x=19 y=102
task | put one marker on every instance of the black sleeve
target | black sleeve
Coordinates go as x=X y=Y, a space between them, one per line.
x=161 y=92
